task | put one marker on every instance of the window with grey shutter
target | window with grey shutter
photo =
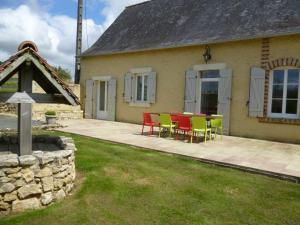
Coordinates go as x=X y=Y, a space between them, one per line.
x=224 y=97
x=190 y=91
x=257 y=90
x=128 y=90
x=151 y=87
x=88 y=109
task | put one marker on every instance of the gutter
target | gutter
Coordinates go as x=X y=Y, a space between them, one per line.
x=190 y=45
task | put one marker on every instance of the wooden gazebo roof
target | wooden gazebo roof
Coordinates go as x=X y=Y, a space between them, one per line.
x=44 y=74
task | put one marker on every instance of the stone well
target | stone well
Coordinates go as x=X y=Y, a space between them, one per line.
x=35 y=181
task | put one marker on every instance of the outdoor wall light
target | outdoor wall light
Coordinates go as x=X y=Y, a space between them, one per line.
x=207 y=55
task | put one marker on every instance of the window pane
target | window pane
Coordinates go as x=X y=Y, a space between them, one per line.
x=293 y=76
x=277 y=91
x=102 y=96
x=291 y=106
x=209 y=97
x=292 y=91
x=210 y=74
x=139 y=88
x=276 y=106
x=278 y=77
x=145 y=88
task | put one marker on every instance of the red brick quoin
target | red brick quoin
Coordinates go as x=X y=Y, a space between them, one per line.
x=283 y=62
x=268 y=65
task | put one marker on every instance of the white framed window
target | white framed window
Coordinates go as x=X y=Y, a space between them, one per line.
x=208 y=91
x=284 y=93
x=141 y=87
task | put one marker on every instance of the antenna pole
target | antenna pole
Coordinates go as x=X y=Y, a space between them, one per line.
x=78 y=41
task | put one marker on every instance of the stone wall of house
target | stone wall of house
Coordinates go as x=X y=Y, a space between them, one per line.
x=35 y=181
x=171 y=66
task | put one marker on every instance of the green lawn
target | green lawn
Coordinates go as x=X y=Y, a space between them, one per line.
x=127 y=185
x=9 y=86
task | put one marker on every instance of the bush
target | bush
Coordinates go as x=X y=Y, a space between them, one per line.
x=50 y=113
x=64 y=74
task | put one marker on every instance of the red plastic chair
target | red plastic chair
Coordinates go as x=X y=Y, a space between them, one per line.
x=174 y=118
x=148 y=122
x=184 y=124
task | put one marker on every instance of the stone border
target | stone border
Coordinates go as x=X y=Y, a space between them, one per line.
x=35 y=181
x=35 y=127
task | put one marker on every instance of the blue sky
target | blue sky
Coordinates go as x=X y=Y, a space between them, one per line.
x=64 y=7
x=51 y=24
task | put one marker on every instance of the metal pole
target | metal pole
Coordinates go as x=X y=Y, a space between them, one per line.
x=78 y=41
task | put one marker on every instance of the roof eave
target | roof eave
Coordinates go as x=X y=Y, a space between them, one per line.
x=191 y=45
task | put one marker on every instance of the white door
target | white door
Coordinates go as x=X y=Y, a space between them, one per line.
x=102 y=93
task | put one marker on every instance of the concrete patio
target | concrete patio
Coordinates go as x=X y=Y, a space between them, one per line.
x=269 y=158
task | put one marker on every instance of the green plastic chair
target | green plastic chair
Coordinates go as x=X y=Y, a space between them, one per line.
x=199 y=125
x=166 y=123
x=217 y=125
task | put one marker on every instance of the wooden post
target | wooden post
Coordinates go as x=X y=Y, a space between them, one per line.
x=25 y=111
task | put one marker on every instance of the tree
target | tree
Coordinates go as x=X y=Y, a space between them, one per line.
x=64 y=74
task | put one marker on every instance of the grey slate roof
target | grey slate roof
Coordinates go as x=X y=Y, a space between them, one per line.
x=161 y=24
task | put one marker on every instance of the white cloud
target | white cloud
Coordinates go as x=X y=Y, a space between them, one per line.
x=113 y=8
x=54 y=35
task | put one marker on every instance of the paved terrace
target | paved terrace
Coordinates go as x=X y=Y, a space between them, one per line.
x=271 y=158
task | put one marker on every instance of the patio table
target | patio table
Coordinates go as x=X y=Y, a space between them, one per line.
x=208 y=117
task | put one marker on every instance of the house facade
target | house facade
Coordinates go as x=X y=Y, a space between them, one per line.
x=241 y=61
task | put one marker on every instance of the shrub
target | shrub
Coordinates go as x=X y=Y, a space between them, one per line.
x=50 y=113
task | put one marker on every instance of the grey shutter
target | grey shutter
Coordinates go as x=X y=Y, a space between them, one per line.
x=111 y=99
x=88 y=109
x=133 y=87
x=190 y=91
x=151 y=87
x=257 y=89
x=128 y=87
x=224 y=98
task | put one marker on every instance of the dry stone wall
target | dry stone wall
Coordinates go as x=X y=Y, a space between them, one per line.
x=35 y=181
x=8 y=108
x=63 y=112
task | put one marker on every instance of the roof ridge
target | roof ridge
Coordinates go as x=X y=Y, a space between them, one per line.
x=144 y=2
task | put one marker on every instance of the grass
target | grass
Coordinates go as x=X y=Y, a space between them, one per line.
x=9 y=86
x=128 y=185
